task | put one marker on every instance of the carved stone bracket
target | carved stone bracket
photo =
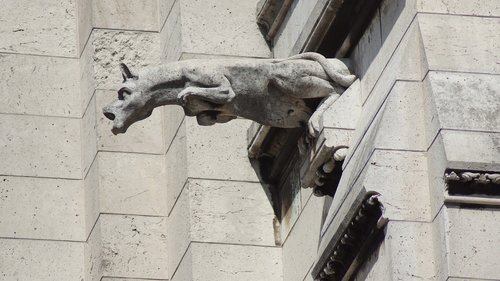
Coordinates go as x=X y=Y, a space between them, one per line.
x=352 y=243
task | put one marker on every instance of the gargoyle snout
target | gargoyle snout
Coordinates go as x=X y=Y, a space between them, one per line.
x=108 y=113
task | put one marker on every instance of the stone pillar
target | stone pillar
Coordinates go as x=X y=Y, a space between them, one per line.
x=220 y=221
x=48 y=187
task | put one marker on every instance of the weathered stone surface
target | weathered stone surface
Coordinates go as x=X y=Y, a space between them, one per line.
x=144 y=137
x=208 y=145
x=223 y=262
x=471 y=7
x=88 y=135
x=299 y=250
x=129 y=279
x=171 y=34
x=41 y=260
x=40 y=85
x=219 y=212
x=91 y=196
x=401 y=178
x=292 y=27
x=461 y=43
x=402 y=126
x=179 y=236
x=176 y=166
x=93 y=255
x=226 y=28
x=473 y=242
x=130 y=15
x=437 y=165
x=472 y=150
x=42 y=28
x=230 y=212
x=131 y=183
x=111 y=47
x=85 y=25
x=42 y=208
x=173 y=117
x=134 y=246
x=466 y=101
x=345 y=111
x=40 y=146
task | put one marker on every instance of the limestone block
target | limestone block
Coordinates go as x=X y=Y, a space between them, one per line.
x=230 y=212
x=221 y=262
x=472 y=150
x=131 y=183
x=91 y=195
x=293 y=25
x=134 y=246
x=402 y=126
x=219 y=212
x=42 y=208
x=407 y=63
x=41 y=260
x=40 y=85
x=40 y=146
x=214 y=27
x=437 y=165
x=130 y=15
x=84 y=12
x=86 y=78
x=461 y=43
x=471 y=7
x=401 y=178
x=179 y=237
x=111 y=47
x=128 y=279
x=174 y=115
x=376 y=266
x=299 y=250
x=145 y=136
x=345 y=111
x=396 y=17
x=176 y=166
x=402 y=241
x=89 y=137
x=208 y=145
x=466 y=101
x=93 y=255
x=165 y=7
x=291 y=204
x=41 y=27
x=473 y=242
x=171 y=34
x=185 y=270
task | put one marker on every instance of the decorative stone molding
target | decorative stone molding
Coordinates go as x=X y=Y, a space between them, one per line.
x=270 y=16
x=481 y=178
x=472 y=187
x=353 y=242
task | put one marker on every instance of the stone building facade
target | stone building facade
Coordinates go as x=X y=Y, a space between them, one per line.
x=170 y=200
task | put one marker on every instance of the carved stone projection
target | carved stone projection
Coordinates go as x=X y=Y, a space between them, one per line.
x=472 y=187
x=272 y=92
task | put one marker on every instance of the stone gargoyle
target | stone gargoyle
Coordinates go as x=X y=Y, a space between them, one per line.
x=269 y=91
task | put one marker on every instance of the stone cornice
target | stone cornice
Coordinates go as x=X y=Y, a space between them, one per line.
x=352 y=243
x=472 y=187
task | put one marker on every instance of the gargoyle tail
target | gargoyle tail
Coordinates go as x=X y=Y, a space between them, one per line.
x=343 y=80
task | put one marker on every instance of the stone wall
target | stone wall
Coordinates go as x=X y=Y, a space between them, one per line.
x=167 y=201
x=171 y=200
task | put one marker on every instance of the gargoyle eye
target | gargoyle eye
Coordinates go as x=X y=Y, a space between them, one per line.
x=122 y=92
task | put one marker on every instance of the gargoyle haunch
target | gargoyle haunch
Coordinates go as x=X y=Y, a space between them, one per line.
x=269 y=91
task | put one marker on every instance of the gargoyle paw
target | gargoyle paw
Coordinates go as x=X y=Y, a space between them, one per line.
x=313 y=126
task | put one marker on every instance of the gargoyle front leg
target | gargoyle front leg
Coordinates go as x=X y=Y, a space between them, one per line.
x=219 y=95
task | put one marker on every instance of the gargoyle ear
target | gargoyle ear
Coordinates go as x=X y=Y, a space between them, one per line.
x=126 y=73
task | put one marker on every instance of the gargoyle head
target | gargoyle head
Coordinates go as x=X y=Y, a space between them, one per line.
x=131 y=106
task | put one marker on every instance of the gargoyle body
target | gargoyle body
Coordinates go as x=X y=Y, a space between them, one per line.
x=269 y=91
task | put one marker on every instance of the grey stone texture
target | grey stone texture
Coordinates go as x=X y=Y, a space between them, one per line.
x=171 y=200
